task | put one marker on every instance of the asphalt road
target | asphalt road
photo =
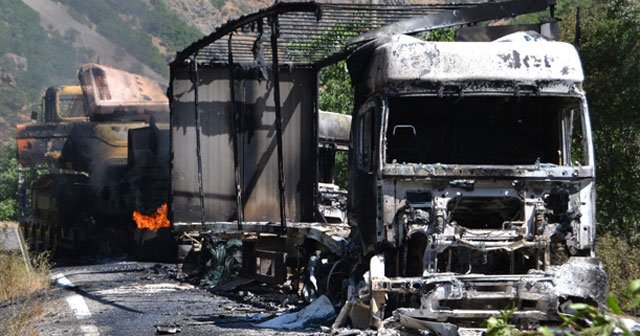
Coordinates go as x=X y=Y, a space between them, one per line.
x=133 y=298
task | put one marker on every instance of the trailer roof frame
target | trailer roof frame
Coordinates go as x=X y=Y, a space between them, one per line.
x=318 y=33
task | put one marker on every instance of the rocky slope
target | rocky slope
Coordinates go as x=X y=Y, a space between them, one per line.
x=206 y=15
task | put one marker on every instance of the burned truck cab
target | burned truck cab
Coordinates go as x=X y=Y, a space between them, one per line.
x=471 y=184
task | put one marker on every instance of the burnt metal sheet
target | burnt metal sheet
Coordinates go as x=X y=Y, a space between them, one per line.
x=216 y=150
x=41 y=143
x=108 y=90
x=257 y=145
x=147 y=175
x=74 y=145
x=334 y=128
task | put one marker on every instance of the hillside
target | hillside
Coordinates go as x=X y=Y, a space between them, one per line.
x=206 y=15
x=141 y=36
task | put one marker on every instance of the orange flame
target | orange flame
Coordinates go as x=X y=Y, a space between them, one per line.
x=153 y=221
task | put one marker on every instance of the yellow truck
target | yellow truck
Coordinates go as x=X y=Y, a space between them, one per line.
x=95 y=154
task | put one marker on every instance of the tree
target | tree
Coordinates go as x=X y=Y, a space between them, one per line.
x=336 y=95
x=610 y=52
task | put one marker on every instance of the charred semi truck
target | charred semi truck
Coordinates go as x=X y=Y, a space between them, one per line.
x=471 y=168
x=97 y=153
x=472 y=180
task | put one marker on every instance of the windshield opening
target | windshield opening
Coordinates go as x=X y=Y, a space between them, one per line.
x=498 y=130
x=71 y=106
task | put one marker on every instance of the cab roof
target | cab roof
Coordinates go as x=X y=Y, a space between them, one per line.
x=523 y=59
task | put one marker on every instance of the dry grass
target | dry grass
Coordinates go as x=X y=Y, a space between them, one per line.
x=622 y=264
x=17 y=281
x=21 y=318
x=21 y=307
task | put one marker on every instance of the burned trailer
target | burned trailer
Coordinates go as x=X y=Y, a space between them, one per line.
x=248 y=159
x=472 y=181
x=240 y=96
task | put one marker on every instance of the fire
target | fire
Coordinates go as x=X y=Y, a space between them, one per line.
x=153 y=221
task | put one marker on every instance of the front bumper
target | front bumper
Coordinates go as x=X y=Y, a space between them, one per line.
x=468 y=300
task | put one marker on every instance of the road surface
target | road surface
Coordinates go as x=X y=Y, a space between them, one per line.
x=133 y=298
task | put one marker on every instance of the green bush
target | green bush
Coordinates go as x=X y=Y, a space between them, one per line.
x=218 y=3
x=586 y=321
x=8 y=182
x=622 y=263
